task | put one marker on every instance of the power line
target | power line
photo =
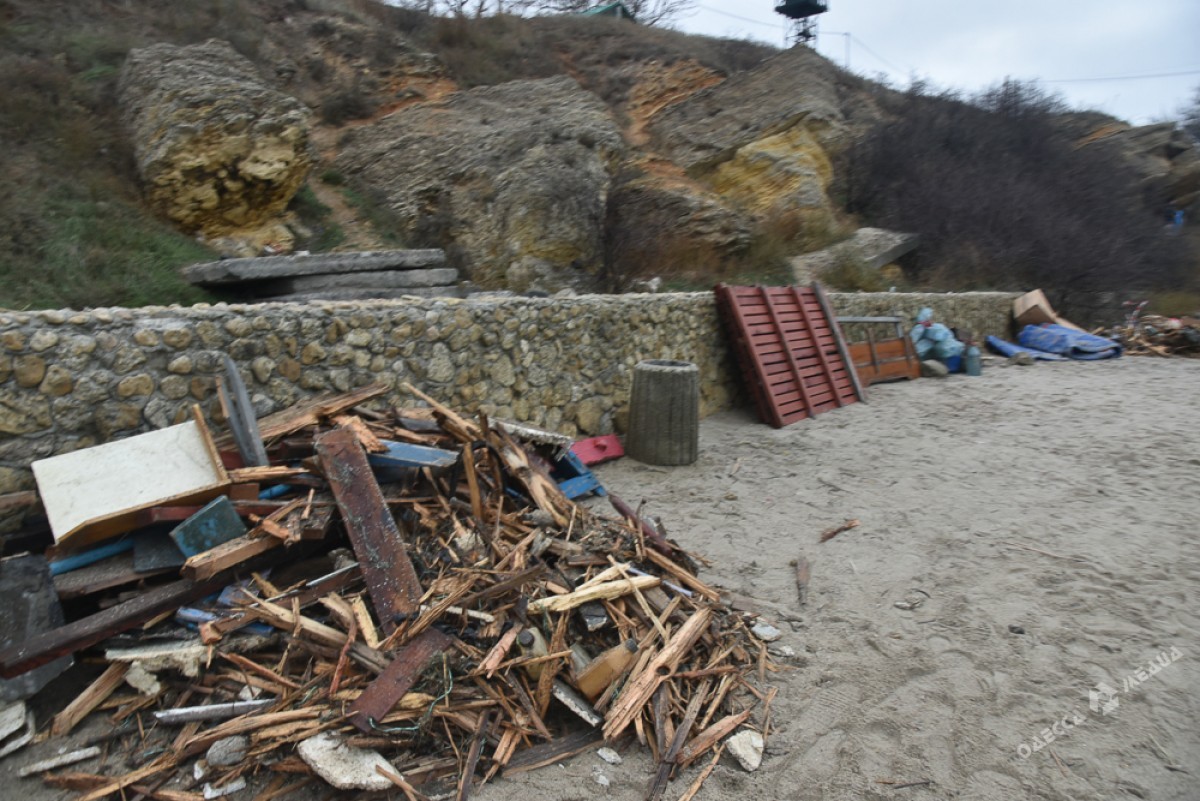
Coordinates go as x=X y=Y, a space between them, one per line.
x=881 y=59
x=1122 y=77
x=775 y=25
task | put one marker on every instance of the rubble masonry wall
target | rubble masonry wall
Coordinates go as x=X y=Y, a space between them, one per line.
x=72 y=379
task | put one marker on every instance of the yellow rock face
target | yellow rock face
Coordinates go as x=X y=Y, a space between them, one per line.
x=788 y=171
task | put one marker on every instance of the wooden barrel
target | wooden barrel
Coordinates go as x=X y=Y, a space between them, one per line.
x=664 y=413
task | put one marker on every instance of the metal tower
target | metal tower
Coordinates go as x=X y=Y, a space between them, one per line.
x=803 y=14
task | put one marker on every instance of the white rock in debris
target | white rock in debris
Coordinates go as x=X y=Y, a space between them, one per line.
x=610 y=756
x=343 y=766
x=747 y=748
x=766 y=632
x=784 y=652
x=230 y=788
x=599 y=777
x=227 y=752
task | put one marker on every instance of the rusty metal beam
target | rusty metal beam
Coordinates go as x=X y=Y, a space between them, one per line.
x=381 y=550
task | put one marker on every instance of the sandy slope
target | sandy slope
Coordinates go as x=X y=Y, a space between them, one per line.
x=1095 y=463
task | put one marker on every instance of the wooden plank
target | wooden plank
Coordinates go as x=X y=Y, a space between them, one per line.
x=101 y=576
x=839 y=340
x=381 y=550
x=84 y=703
x=47 y=646
x=307 y=412
x=539 y=756
x=410 y=661
x=204 y=566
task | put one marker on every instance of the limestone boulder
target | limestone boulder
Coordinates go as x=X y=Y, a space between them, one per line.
x=660 y=221
x=513 y=180
x=762 y=138
x=220 y=153
x=1165 y=158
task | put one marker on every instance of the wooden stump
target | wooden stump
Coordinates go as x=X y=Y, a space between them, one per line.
x=664 y=413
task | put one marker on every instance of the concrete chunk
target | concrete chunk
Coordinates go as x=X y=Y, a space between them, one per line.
x=232 y=271
x=343 y=766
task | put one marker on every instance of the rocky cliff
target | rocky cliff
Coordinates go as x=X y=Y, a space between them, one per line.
x=541 y=153
x=219 y=152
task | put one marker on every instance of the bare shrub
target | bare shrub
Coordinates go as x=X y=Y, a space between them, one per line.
x=1002 y=199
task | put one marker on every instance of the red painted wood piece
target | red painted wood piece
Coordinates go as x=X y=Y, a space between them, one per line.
x=598 y=449
x=789 y=351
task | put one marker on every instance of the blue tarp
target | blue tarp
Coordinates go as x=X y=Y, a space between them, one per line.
x=1068 y=342
x=1009 y=349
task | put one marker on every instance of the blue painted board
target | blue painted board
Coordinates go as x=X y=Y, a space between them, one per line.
x=405 y=454
x=216 y=523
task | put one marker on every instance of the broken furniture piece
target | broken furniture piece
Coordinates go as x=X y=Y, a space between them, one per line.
x=882 y=359
x=96 y=493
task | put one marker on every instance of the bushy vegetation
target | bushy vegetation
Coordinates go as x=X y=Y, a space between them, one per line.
x=1003 y=199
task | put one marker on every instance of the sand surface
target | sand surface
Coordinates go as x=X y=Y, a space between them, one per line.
x=1095 y=463
x=954 y=481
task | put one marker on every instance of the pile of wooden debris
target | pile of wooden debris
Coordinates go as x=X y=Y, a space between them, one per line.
x=416 y=605
x=1155 y=335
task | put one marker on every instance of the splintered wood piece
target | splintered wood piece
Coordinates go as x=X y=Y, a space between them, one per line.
x=833 y=531
x=253 y=667
x=803 y=572
x=468 y=774
x=307 y=412
x=539 y=756
x=96 y=693
x=397 y=679
x=164 y=762
x=465 y=430
x=205 y=565
x=541 y=488
x=366 y=626
x=289 y=621
x=703 y=777
x=48 y=646
x=245 y=725
x=366 y=437
x=380 y=548
x=500 y=650
x=667 y=761
x=596 y=592
x=639 y=689
x=468 y=456
x=683 y=577
x=710 y=737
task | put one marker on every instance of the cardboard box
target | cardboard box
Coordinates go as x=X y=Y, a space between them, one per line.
x=1033 y=308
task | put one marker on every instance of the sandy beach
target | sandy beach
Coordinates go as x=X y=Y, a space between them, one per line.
x=1041 y=523
x=1026 y=537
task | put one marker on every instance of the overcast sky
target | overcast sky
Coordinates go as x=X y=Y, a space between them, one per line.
x=1094 y=52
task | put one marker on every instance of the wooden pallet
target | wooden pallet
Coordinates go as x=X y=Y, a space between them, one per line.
x=791 y=351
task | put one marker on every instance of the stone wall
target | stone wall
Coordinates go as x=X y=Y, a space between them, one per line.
x=71 y=379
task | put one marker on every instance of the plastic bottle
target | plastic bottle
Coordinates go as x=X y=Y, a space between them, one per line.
x=532 y=644
x=595 y=678
x=974 y=365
